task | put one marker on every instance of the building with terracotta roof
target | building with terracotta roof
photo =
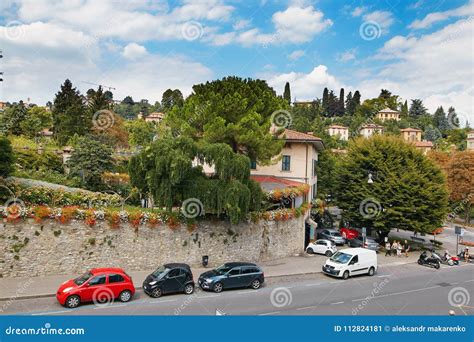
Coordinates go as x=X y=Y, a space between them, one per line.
x=411 y=134
x=154 y=117
x=388 y=114
x=470 y=140
x=368 y=130
x=424 y=146
x=341 y=132
x=296 y=163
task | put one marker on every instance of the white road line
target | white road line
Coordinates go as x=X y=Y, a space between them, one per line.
x=269 y=313
x=109 y=306
x=336 y=303
x=49 y=313
x=383 y=276
x=467 y=281
x=307 y=308
x=398 y=293
x=209 y=296
x=314 y=284
x=162 y=301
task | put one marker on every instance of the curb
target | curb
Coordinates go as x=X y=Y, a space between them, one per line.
x=49 y=295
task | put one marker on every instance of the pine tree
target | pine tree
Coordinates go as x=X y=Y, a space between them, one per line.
x=452 y=118
x=6 y=157
x=352 y=103
x=325 y=100
x=404 y=109
x=432 y=134
x=341 y=106
x=69 y=114
x=439 y=119
x=417 y=108
x=287 y=93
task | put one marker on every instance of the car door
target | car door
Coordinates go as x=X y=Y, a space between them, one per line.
x=355 y=266
x=320 y=247
x=233 y=278
x=172 y=281
x=324 y=234
x=95 y=289
x=115 y=283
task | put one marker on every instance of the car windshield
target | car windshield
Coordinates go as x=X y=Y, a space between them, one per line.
x=222 y=269
x=160 y=272
x=335 y=234
x=341 y=258
x=83 y=278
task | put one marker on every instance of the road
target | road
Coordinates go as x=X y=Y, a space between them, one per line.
x=398 y=290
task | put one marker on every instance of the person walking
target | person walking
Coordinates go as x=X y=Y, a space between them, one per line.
x=399 y=249
x=406 y=248
x=387 y=249
x=394 y=247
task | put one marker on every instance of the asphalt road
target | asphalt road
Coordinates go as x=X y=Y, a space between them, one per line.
x=397 y=290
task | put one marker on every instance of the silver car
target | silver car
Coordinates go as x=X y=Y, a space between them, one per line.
x=369 y=243
x=332 y=235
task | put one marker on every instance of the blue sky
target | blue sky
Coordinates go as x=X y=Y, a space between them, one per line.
x=417 y=49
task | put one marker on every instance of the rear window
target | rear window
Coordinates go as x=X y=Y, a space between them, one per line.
x=115 y=278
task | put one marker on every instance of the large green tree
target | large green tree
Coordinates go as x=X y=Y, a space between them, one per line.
x=171 y=98
x=37 y=118
x=69 y=114
x=13 y=117
x=408 y=191
x=417 y=108
x=167 y=170
x=89 y=160
x=6 y=157
x=237 y=112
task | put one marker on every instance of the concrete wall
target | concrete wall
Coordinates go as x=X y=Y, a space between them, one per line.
x=49 y=248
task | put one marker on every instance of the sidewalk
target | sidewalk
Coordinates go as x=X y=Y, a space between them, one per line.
x=36 y=287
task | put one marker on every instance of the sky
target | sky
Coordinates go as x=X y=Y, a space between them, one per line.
x=416 y=49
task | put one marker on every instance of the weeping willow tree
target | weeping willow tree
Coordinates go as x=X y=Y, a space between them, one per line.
x=167 y=171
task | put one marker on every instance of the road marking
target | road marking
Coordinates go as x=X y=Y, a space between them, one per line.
x=383 y=276
x=209 y=296
x=336 y=303
x=398 y=293
x=314 y=284
x=50 y=313
x=246 y=292
x=307 y=308
x=467 y=281
x=269 y=313
x=109 y=306
x=162 y=301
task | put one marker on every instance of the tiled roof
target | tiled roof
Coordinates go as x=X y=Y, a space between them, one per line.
x=388 y=110
x=371 y=126
x=423 y=144
x=269 y=183
x=295 y=135
x=410 y=130
x=337 y=126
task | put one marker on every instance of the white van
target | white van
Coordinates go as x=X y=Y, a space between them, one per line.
x=351 y=261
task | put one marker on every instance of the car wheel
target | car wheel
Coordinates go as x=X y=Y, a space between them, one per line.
x=437 y=266
x=420 y=262
x=73 y=302
x=156 y=293
x=218 y=287
x=189 y=289
x=345 y=275
x=256 y=284
x=371 y=271
x=328 y=253
x=125 y=296
x=310 y=251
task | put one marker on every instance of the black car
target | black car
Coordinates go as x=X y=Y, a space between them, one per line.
x=232 y=275
x=169 y=278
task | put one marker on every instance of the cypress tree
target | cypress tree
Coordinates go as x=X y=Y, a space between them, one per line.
x=287 y=93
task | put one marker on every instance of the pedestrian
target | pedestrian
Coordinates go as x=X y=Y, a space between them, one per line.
x=394 y=247
x=406 y=247
x=399 y=249
x=466 y=254
x=387 y=249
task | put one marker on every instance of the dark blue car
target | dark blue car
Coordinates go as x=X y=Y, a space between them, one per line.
x=232 y=275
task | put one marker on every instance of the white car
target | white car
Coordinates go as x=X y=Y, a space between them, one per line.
x=351 y=261
x=321 y=246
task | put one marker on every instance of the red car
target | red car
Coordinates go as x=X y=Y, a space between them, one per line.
x=99 y=285
x=348 y=233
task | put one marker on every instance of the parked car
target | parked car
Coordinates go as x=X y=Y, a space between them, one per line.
x=369 y=243
x=351 y=261
x=321 y=246
x=98 y=285
x=333 y=235
x=169 y=278
x=348 y=233
x=232 y=275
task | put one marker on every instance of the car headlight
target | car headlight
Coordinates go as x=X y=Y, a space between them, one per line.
x=208 y=281
x=67 y=289
x=153 y=283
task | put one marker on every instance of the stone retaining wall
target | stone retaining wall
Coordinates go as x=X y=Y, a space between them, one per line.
x=33 y=249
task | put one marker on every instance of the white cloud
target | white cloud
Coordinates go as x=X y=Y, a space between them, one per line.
x=383 y=18
x=241 y=24
x=435 y=17
x=346 y=56
x=358 y=11
x=304 y=86
x=297 y=54
x=134 y=51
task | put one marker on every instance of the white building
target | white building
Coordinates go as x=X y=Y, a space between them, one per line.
x=342 y=132
x=370 y=129
x=470 y=140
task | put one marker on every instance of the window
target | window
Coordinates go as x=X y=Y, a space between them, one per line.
x=234 y=271
x=174 y=273
x=355 y=259
x=253 y=165
x=285 y=163
x=99 y=280
x=115 y=278
x=249 y=270
x=314 y=190
x=315 y=165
